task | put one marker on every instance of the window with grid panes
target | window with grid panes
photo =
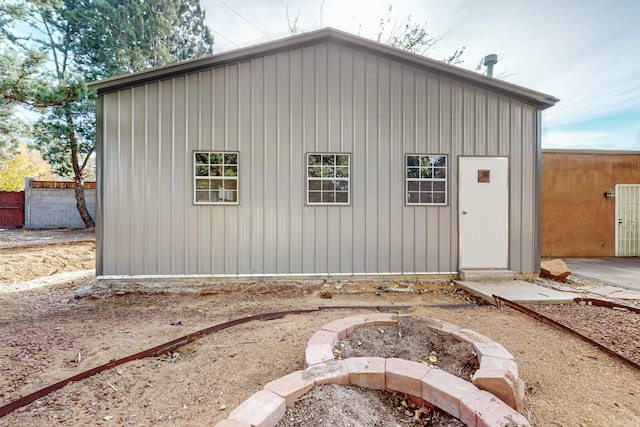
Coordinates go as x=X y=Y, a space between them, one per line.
x=426 y=179
x=215 y=178
x=328 y=177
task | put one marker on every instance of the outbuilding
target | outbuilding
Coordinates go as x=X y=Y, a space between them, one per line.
x=590 y=203
x=322 y=154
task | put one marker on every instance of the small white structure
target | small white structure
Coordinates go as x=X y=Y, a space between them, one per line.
x=318 y=154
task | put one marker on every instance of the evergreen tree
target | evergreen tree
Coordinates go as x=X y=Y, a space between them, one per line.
x=71 y=41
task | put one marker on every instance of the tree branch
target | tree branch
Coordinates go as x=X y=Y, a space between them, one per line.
x=86 y=159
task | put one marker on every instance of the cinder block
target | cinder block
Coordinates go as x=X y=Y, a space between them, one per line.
x=470 y=336
x=291 y=386
x=482 y=409
x=262 y=409
x=373 y=319
x=323 y=337
x=492 y=362
x=384 y=319
x=445 y=390
x=405 y=376
x=359 y=321
x=502 y=384
x=491 y=349
x=342 y=327
x=438 y=325
x=318 y=353
x=367 y=372
x=356 y=321
x=331 y=372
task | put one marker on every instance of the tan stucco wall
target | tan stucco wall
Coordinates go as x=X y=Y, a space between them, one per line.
x=577 y=220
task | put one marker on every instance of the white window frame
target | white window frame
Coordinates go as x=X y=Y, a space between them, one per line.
x=426 y=181
x=217 y=178
x=326 y=173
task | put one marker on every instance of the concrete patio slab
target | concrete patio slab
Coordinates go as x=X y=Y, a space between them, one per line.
x=518 y=291
x=621 y=272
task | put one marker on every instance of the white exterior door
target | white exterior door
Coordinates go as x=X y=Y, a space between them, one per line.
x=483 y=214
x=627 y=220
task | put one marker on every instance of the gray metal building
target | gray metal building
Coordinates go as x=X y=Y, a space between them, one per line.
x=318 y=154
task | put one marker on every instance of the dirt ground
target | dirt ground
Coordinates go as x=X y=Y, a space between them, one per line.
x=408 y=340
x=46 y=335
x=348 y=406
x=334 y=406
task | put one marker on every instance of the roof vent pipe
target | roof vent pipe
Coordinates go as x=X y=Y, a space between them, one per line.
x=489 y=62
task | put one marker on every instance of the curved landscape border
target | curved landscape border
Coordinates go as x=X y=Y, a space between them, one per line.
x=491 y=399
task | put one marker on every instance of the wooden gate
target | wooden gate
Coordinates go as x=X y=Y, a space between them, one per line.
x=11 y=209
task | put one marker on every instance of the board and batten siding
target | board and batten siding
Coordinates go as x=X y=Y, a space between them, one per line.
x=274 y=109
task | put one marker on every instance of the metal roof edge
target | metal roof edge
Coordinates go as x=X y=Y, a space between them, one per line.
x=542 y=99
x=205 y=62
x=318 y=36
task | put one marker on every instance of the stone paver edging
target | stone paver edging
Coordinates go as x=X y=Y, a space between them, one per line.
x=491 y=399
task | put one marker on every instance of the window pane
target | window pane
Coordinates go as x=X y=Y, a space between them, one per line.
x=314 y=159
x=202 y=184
x=439 y=198
x=315 y=197
x=342 y=197
x=425 y=198
x=328 y=159
x=216 y=184
x=202 y=170
x=328 y=172
x=342 y=185
x=202 y=158
x=231 y=158
x=342 y=160
x=328 y=197
x=231 y=184
x=413 y=173
x=413 y=185
x=440 y=173
x=424 y=161
x=202 y=196
x=315 y=184
x=426 y=186
x=414 y=197
x=439 y=161
x=230 y=171
x=328 y=185
x=223 y=195
x=315 y=172
x=413 y=160
x=216 y=158
x=215 y=171
x=439 y=186
x=342 y=172
x=426 y=173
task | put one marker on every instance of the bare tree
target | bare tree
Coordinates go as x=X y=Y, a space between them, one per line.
x=411 y=36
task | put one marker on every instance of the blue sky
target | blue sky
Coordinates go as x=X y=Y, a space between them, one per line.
x=585 y=52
